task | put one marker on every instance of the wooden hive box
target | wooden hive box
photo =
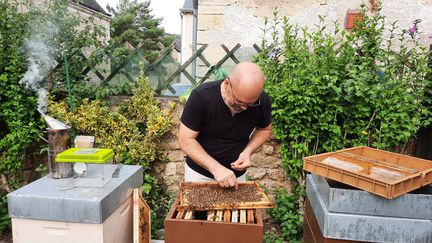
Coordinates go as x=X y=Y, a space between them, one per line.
x=214 y=227
x=221 y=222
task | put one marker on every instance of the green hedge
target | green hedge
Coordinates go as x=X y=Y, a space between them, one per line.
x=332 y=88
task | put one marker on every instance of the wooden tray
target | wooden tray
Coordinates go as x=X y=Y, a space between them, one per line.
x=185 y=187
x=380 y=172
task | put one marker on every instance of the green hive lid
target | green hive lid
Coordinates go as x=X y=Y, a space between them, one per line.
x=86 y=155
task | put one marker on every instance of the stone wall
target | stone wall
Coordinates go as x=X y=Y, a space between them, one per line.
x=266 y=170
x=241 y=21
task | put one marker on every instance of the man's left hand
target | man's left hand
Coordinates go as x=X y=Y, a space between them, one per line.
x=242 y=163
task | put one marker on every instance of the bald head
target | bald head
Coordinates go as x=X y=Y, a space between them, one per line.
x=247 y=80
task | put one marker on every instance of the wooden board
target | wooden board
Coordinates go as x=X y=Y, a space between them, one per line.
x=250 y=216
x=243 y=216
x=141 y=218
x=180 y=214
x=227 y=216
x=219 y=214
x=185 y=187
x=211 y=215
x=234 y=216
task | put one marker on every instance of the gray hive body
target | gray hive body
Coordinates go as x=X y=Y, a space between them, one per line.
x=53 y=200
x=360 y=216
x=344 y=199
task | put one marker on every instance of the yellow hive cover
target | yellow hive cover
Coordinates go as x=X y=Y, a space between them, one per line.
x=86 y=155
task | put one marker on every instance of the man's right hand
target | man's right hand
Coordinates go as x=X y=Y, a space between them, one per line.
x=225 y=177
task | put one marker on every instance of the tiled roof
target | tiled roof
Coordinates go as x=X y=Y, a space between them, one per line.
x=94 y=5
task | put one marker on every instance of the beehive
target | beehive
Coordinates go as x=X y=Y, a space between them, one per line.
x=219 y=222
x=342 y=215
x=213 y=226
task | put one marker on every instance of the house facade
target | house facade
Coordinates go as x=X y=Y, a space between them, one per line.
x=86 y=9
x=241 y=21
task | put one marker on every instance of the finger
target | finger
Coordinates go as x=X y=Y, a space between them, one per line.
x=226 y=183
x=232 y=182
x=236 y=163
x=236 y=184
x=239 y=167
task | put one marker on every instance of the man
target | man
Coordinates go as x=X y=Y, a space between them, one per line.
x=223 y=123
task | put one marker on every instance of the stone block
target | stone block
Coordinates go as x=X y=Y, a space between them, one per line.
x=261 y=160
x=170 y=144
x=180 y=168
x=268 y=149
x=170 y=169
x=173 y=190
x=175 y=155
x=173 y=180
x=210 y=22
x=211 y=9
x=214 y=2
x=277 y=174
x=159 y=167
x=255 y=173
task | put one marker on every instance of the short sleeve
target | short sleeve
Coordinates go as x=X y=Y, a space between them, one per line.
x=265 y=111
x=193 y=112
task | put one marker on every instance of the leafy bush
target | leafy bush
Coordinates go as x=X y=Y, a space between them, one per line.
x=20 y=124
x=332 y=89
x=133 y=131
x=286 y=214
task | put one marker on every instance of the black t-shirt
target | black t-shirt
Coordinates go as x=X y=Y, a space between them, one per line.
x=222 y=135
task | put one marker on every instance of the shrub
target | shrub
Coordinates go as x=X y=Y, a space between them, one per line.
x=133 y=131
x=332 y=89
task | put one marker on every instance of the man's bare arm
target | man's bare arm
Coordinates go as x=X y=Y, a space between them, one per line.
x=189 y=145
x=258 y=138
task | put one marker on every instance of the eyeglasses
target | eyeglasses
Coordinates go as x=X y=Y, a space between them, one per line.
x=239 y=103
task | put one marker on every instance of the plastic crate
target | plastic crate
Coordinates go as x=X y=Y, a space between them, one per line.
x=380 y=172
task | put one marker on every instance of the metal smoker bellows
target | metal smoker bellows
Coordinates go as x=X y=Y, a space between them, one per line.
x=59 y=137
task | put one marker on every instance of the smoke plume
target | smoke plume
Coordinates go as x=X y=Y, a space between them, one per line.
x=41 y=58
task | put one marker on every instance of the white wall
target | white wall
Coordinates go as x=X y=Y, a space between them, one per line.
x=240 y=21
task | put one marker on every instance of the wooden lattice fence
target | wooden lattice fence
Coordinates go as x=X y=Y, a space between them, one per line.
x=161 y=77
